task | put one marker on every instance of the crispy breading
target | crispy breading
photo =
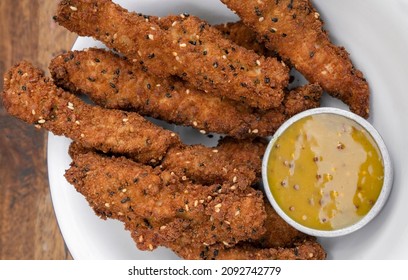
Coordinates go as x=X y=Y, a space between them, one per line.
x=30 y=96
x=236 y=162
x=294 y=29
x=307 y=249
x=194 y=51
x=119 y=188
x=94 y=70
x=33 y=98
x=244 y=36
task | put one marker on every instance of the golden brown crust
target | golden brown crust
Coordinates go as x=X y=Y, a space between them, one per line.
x=93 y=71
x=295 y=31
x=30 y=96
x=187 y=39
x=235 y=162
x=245 y=37
x=121 y=189
x=307 y=249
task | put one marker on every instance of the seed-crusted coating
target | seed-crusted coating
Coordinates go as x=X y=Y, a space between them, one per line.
x=30 y=96
x=94 y=70
x=295 y=31
x=235 y=162
x=194 y=51
x=307 y=249
x=244 y=36
x=146 y=198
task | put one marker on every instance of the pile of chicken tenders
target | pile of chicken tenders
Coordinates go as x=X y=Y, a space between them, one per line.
x=230 y=79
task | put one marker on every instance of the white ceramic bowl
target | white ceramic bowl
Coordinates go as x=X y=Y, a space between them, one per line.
x=384 y=193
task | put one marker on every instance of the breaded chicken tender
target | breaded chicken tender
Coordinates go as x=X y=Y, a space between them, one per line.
x=232 y=161
x=33 y=98
x=195 y=51
x=147 y=198
x=307 y=249
x=295 y=31
x=94 y=71
x=244 y=36
x=36 y=100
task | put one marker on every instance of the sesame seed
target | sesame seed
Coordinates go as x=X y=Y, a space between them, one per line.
x=201 y=201
x=33 y=111
x=41 y=121
x=139 y=53
x=205 y=244
x=73 y=8
x=173 y=134
x=107 y=205
x=182 y=16
x=124 y=190
x=195 y=203
x=224 y=56
x=233 y=187
x=273 y=30
x=227 y=222
x=77 y=122
x=258 y=62
x=215 y=151
x=218 y=205
x=234 y=180
x=203 y=131
x=125 y=120
x=237 y=212
x=158 y=85
x=183 y=45
x=217 y=210
x=152 y=28
x=261 y=19
x=195 y=123
x=255 y=131
x=70 y=106
x=120 y=213
x=209 y=197
x=184 y=178
x=187 y=208
x=177 y=58
x=82 y=135
x=150 y=36
x=311 y=255
x=150 y=247
x=225 y=243
x=141 y=238
x=162 y=227
x=316 y=15
x=187 y=91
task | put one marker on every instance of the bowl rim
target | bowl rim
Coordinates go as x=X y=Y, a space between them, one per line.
x=386 y=187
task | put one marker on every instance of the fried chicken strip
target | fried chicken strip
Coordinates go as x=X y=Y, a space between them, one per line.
x=36 y=100
x=205 y=167
x=307 y=249
x=294 y=30
x=244 y=36
x=93 y=72
x=220 y=67
x=33 y=98
x=119 y=188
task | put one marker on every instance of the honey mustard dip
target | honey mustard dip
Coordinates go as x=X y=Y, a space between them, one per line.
x=325 y=171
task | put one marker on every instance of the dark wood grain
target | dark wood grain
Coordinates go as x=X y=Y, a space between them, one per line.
x=28 y=227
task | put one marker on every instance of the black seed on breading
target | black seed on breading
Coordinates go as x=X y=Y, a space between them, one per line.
x=274 y=19
x=126 y=199
x=148 y=86
x=151 y=55
x=168 y=95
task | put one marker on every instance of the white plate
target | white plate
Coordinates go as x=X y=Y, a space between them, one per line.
x=375 y=32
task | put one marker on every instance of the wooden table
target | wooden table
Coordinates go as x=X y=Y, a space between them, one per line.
x=28 y=227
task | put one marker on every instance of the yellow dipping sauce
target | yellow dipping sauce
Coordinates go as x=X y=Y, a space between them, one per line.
x=325 y=171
